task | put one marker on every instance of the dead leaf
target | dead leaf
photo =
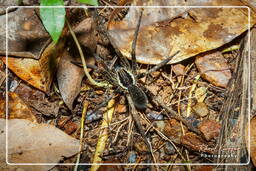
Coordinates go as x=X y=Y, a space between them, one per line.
x=210 y=129
x=37 y=100
x=201 y=109
x=214 y=68
x=35 y=143
x=163 y=32
x=194 y=142
x=173 y=130
x=38 y=73
x=17 y=109
x=69 y=77
x=27 y=36
x=86 y=33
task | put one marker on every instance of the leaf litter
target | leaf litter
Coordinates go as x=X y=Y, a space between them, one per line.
x=171 y=84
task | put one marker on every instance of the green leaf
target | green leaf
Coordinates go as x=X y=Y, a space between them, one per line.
x=90 y=2
x=53 y=18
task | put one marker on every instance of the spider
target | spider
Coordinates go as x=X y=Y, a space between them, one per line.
x=125 y=77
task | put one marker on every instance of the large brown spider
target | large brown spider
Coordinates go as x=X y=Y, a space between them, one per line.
x=125 y=77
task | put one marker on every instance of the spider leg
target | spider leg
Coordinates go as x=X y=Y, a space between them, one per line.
x=133 y=53
x=158 y=66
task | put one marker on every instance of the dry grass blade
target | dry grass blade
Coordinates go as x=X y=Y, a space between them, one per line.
x=107 y=117
x=86 y=103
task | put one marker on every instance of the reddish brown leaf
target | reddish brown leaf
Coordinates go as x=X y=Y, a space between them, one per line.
x=210 y=129
x=194 y=142
x=214 y=68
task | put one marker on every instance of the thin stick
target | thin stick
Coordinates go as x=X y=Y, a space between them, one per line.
x=139 y=126
x=92 y=81
x=158 y=66
x=177 y=117
x=85 y=106
x=134 y=42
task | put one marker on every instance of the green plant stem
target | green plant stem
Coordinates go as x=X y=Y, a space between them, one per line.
x=91 y=80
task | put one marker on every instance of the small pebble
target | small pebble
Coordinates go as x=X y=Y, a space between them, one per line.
x=132 y=157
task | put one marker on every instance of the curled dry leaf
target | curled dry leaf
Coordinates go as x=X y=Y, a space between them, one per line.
x=162 y=34
x=35 y=143
x=17 y=109
x=38 y=73
x=69 y=77
x=214 y=68
x=26 y=34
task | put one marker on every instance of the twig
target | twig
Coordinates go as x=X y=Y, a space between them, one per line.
x=92 y=81
x=85 y=106
x=161 y=64
x=177 y=117
x=139 y=126
x=134 y=42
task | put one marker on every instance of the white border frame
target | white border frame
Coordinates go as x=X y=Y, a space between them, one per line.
x=131 y=164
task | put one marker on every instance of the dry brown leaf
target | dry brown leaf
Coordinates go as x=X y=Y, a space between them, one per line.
x=194 y=142
x=163 y=32
x=214 y=68
x=69 y=77
x=201 y=109
x=35 y=143
x=37 y=100
x=210 y=129
x=17 y=109
x=38 y=73
x=86 y=33
x=173 y=130
x=27 y=36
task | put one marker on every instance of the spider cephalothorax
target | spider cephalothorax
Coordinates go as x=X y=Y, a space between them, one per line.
x=127 y=81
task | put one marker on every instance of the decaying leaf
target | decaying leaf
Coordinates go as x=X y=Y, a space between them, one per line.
x=86 y=33
x=23 y=26
x=35 y=143
x=69 y=77
x=17 y=109
x=200 y=109
x=214 y=68
x=162 y=34
x=194 y=142
x=38 y=73
x=37 y=100
x=210 y=129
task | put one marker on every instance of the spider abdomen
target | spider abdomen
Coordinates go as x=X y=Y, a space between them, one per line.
x=138 y=96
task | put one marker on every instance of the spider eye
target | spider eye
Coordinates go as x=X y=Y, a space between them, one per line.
x=125 y=78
